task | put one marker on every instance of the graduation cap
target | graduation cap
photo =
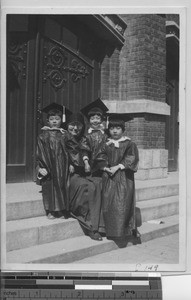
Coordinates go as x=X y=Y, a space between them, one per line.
x=116 y=117
x=119 y=117
x=76 y=117
x=65 y=112
x=95 y=107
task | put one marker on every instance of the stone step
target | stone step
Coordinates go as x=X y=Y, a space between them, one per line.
x=77 y=248
x=157 y=191
x=158 y=208
x=24 y=200
x=39 y=230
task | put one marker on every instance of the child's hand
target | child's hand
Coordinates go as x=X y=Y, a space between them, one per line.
x=71 y=169
x=43 y=171
x=63 y=131
x=87 y=166
x=106 y=169
x=113 y=170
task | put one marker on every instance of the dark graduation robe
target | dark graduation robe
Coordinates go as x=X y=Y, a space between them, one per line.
x=118 y=191
x=97 y=158
x=52 y=155
x=84 y=191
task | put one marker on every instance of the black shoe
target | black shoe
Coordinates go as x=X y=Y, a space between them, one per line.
x=63 y=215
x=95 y=236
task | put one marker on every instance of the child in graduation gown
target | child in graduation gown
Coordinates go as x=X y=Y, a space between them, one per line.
x=95 y=135
x=95 y=139
x=118 y=186
x=52 y=164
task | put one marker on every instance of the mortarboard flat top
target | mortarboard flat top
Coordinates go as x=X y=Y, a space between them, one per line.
x=121 y=117
x=94 y=106
x=55 y=106
x=52 y=106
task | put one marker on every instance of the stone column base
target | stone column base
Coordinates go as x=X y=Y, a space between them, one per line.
x=153 y=164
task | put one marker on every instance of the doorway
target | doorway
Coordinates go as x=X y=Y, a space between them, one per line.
x=49 y=59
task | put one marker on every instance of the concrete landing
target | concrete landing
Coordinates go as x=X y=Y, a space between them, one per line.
x=162 y=250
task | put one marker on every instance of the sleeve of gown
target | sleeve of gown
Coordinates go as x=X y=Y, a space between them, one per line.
x=101 y=156
x=41 y=160
x=74 y=152
x=85 y=148
x=98 y=157
x=131 y=158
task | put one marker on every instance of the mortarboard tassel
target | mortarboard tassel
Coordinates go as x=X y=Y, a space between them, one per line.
x=64 y=114
x=107 y=122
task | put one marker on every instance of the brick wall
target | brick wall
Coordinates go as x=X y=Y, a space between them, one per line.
x=138 y=71
x=147 y=131
x=143 y=58
x=110 y=76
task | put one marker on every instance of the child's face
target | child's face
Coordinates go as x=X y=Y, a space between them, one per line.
x=75 y=128
x=54 y=121
x=95 y=120
x=116 y=132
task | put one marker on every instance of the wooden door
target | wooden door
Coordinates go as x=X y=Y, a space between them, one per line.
x=20 y=110
x=172 y=125
x=172 y=99
x=69 y=67
x=49 y=59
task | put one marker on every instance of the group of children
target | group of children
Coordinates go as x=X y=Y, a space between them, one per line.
x=87 y=172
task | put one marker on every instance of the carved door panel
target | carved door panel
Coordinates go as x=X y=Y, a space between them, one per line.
x=20 y=117
x=64 y=78
x=66 y=75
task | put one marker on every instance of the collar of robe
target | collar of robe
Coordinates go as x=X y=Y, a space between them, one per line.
x=100 y=128
x=53 y=129
x=116 y=142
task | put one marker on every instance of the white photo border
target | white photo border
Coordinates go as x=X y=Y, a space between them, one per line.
x=69 y=7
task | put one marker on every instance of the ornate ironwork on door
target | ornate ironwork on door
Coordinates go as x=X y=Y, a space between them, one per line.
x=57 y=65
x=17 y=57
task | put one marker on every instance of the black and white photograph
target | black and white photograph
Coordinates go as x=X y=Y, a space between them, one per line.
x=94 y=139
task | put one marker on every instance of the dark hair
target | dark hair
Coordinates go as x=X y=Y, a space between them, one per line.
x=116 y=123
x=95 y=111
x=76 y=117
x=54 y=112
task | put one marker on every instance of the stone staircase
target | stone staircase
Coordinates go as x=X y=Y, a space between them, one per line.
x=32 y=238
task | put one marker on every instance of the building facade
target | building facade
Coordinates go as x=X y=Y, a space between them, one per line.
x=130 y=61
x=146 y=86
